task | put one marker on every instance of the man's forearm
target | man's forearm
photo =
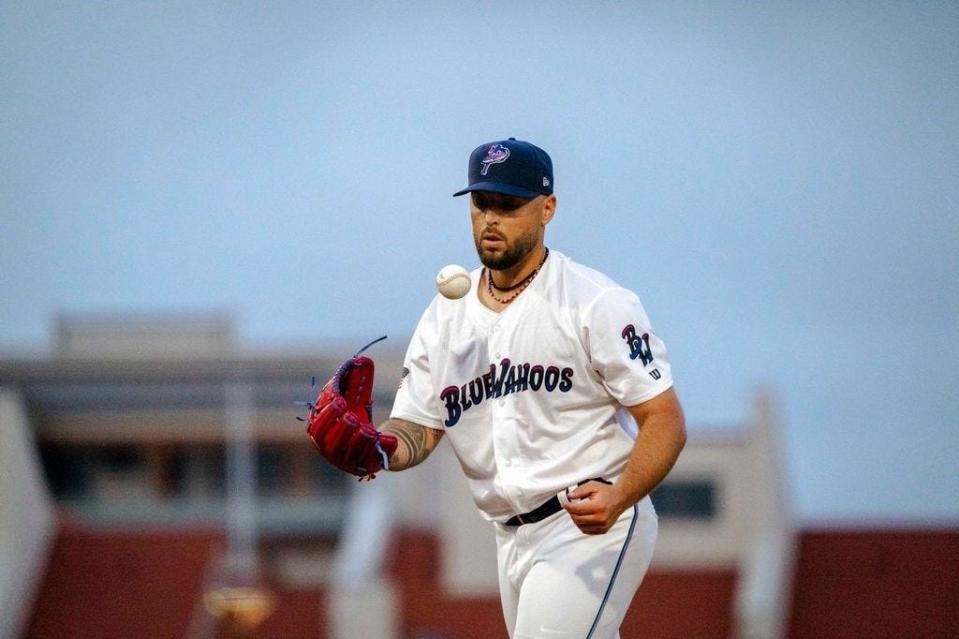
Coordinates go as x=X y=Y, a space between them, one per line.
x=656 y=449
x=414 y=442
x=662 y=435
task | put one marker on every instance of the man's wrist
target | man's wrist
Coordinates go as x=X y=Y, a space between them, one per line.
x=626 y=495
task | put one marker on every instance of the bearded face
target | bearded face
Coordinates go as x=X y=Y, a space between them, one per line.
x=500 y=253
x=505 y=228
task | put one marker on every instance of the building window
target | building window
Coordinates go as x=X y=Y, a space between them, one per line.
x=67 y=471
x=199 y=473
x=270 y=480
x=327 y=479
x=685 y=499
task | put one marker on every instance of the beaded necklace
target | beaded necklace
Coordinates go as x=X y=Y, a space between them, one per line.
x=521 y=286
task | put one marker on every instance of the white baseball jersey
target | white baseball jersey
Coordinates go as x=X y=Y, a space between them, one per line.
x=531 y=398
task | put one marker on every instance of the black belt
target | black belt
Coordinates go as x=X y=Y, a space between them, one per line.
x=544 y=510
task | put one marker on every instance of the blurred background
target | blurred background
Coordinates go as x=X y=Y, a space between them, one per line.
x=204 y=204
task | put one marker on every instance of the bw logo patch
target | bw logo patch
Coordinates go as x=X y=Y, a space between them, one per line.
x=638 y=345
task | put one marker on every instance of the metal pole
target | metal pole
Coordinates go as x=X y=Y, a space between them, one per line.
x=239 y=605
x=241 y=482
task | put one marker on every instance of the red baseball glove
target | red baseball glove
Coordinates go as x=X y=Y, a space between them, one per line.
x=340 y=422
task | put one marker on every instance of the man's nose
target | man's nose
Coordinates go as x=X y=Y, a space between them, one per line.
x=492 y=214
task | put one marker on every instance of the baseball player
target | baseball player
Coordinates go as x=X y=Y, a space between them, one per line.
x=556 y=397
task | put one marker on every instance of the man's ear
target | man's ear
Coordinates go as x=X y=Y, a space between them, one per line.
x=549 y=209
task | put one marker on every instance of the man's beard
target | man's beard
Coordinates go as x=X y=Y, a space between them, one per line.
x=513 y=254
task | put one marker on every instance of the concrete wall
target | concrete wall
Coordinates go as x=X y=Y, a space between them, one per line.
x=26 y=516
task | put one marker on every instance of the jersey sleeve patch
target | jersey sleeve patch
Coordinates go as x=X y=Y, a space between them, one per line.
x=623 y=348
x=638 y=345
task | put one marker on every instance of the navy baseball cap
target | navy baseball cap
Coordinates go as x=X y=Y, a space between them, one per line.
x=510 y=167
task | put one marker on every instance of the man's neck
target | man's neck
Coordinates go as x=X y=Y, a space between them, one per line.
x=510 y=276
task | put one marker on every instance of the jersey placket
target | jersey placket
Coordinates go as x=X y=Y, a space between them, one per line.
x=501 y=420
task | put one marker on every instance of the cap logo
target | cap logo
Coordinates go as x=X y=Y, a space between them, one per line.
x=496 y=154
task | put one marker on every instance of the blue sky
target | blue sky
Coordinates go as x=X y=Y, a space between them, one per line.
x=778 y=182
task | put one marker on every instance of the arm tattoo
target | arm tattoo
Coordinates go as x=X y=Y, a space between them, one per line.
x=415 y=442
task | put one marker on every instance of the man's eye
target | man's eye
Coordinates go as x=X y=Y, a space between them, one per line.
x=483 y=202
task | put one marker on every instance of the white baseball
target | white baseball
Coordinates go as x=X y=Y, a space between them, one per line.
x=453 y=281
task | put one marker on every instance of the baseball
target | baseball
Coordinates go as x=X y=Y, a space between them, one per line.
x=453 y=281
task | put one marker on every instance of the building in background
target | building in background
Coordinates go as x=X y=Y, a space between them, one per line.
x=122 y=460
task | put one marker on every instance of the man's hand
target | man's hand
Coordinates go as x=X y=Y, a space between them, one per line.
x=595 y=506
